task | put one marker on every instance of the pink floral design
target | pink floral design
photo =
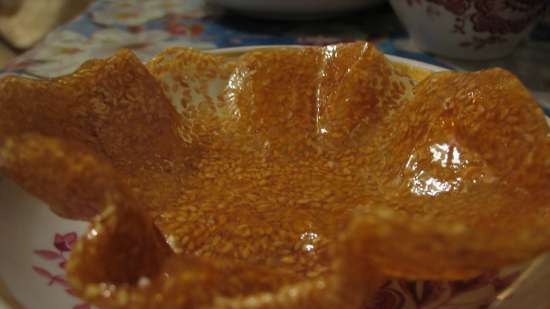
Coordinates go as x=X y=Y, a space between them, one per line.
x=394 y=294
x=65 y=242
x=52 y=279
x=62 y=245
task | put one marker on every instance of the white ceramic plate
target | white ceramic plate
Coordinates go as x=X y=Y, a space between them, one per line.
x=35 y=244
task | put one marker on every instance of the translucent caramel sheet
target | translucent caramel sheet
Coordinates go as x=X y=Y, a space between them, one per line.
x=283 y=178
x=463 y=173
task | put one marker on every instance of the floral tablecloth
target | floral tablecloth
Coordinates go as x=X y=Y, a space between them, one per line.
x=149 y=26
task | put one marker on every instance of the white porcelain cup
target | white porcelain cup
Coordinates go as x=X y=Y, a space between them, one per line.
x=469 y=29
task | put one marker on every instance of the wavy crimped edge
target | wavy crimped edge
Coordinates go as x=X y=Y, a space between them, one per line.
x=528 y=285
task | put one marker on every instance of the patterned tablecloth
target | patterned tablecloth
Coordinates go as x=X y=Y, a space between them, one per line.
x=149 y=26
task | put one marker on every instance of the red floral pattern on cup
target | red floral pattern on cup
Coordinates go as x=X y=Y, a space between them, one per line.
x=494 y=17
x=505 y=16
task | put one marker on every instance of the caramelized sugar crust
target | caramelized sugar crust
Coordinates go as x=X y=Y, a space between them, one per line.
x=282 y=178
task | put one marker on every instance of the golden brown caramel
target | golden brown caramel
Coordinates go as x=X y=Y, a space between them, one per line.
x=265 y=209
x=278 y=178
x=469 y=153
x=271 y=192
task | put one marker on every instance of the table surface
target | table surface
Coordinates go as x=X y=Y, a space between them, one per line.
x=150 y=26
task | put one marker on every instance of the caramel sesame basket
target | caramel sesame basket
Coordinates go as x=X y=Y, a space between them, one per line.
x=278 y=177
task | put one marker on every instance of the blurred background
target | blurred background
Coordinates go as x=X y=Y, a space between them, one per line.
x=23 y=23
x=44 y=38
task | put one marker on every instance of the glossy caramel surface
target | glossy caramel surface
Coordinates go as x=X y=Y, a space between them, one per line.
x=281 y=178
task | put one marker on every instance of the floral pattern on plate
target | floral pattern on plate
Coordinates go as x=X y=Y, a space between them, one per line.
x=476 y=293
x=62 y=245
